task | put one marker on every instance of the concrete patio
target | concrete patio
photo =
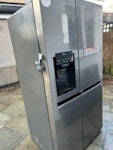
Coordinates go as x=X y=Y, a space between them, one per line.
x=14 y=132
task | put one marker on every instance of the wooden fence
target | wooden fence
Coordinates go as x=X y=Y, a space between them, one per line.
x=108 y=49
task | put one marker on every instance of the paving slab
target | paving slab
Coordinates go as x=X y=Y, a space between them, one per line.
x=11 y=96
x=100 y=139
x=19 y=124
x=93 y=147
x=107 y=106
x=106 y=91
x=9 y=139
x=108 y=97
x=110 y=128
x=27 y=144
x=2 y=106
x=108 y=87
x=15 y=109
x=107 y=116
x=4 y=118
x=109 y=142
x=112 y=107
x=104 y=123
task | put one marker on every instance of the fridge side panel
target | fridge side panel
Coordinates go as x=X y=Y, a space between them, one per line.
x=25 y=44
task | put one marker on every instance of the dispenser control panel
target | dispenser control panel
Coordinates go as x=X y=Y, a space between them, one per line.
x=63 y=58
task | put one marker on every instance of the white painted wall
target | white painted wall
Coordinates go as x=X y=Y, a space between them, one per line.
x=107 y=4
x=8 y=73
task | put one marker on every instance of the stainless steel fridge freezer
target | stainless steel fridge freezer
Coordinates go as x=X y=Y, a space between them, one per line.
x=47 y=42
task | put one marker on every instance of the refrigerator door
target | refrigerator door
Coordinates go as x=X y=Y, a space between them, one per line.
x=58 y=42
x=90 y=43
x=69 y=125
x=92 y=113
x=26 y=49
x=60 y=37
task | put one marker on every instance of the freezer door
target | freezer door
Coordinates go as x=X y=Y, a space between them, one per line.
x=69 y=125
x=92 y=113
x=90 y=43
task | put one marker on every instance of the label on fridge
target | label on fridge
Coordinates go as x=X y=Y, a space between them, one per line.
x=46 y=3
x=90 y=50
x=65 y=31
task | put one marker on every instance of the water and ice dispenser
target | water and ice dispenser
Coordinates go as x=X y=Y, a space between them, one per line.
x=64 y=65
